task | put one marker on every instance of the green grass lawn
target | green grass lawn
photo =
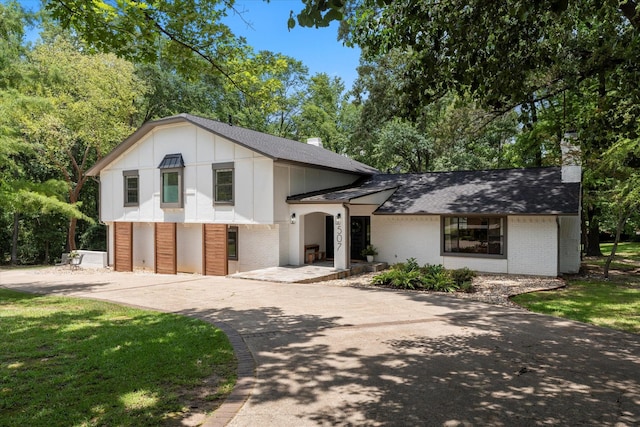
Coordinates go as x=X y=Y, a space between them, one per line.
x=627 y=256
x=67 y=361
x=611 y=303
x=601 y=303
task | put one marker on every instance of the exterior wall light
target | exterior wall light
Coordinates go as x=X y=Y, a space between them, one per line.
x=338 y=219
x=293 y=218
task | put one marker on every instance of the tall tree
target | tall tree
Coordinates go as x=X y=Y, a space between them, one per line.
x=456 y=132
x=321 y=114
x=171 y=93
x=265 y=91
x=86 y=105
x=23 y=190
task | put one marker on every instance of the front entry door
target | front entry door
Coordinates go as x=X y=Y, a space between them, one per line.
x=329 y=236
x=360 y=235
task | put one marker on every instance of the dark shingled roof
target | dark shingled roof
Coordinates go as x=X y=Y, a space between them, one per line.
x=504 y=191
x=270 y=146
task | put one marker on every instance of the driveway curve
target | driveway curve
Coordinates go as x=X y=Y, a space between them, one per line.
x=334 y=355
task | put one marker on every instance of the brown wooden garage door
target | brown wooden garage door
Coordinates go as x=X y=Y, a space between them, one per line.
x=214 y=249
x=165 y=248
x=123 y=247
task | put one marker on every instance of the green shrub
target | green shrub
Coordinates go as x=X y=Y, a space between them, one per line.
x=409 y=275
x=462 y=275
x=399 y=278
x=439 y=279
x=467 y=287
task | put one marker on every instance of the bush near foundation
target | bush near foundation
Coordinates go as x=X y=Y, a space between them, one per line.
x=409 y=275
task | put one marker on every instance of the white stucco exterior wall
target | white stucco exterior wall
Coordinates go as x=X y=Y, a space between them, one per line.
x=569 y=244
x=480 y=264
x=189 y=248
x=258 y=247
x=290 y=180
x=532 y=245
x=399 y=238
x=143 y=246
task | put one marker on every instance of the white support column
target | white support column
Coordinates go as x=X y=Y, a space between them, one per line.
x=296 y=240
x=341 y=252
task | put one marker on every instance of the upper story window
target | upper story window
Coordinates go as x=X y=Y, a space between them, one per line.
x=223 y=183
x=131 y=188
x=474 y=235
x=171 y=181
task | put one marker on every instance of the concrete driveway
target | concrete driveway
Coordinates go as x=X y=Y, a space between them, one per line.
x=327 y=355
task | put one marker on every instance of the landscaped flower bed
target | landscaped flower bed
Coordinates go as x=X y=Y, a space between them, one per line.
x=409 y=275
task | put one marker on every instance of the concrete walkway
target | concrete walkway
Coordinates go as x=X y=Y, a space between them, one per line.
x=328 y=355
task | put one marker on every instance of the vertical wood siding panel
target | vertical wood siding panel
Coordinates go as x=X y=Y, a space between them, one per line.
x=165 y=244
x=123 y=247
x=214 y=244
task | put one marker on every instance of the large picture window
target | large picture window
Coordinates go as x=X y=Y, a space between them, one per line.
x=131 y=187
x=223 y=188
x=171 y=182
x=474 y=235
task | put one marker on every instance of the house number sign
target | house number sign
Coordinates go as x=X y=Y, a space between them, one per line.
x=339 y=236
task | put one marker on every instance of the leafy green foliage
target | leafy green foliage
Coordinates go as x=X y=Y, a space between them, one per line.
x=450 y=133
x=94 y=238
x=462 y=276
x=76 y=108
x=189 y=33
x=409 y=275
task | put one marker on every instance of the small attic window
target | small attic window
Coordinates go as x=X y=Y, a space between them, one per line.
x=171 y=181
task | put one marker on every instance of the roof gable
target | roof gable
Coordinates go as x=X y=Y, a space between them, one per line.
x=271 y=146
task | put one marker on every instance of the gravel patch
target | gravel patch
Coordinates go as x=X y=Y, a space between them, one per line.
x=489 y=288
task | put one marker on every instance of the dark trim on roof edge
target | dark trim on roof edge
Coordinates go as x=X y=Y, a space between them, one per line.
x=343 y=201
x=130 y=141
x=149 y=126
x=310 y=165
x=472 y=214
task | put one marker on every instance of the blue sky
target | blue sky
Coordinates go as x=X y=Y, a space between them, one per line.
x=318 y=49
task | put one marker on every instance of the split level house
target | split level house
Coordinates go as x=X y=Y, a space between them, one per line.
x=189 y=194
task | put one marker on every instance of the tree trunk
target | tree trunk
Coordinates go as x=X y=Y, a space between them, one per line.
x=593 y=237
x=14 y=238
x=71 y=236
x=538 y=147
x=622 y=219
x=46 y=252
